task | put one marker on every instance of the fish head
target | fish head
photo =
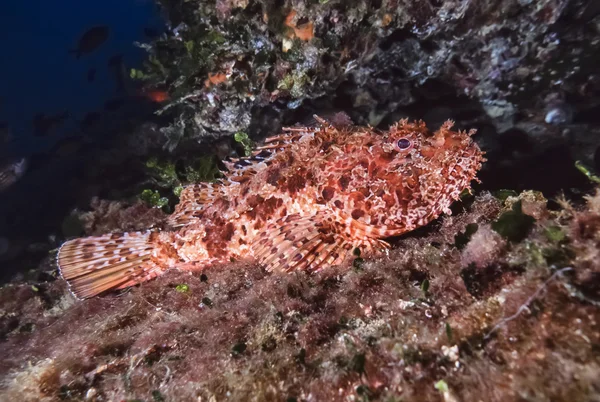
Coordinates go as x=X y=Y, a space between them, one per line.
x=401 y=179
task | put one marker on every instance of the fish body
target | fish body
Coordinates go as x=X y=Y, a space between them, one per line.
x=11 y=172
x=91 y=40
x=305 y=200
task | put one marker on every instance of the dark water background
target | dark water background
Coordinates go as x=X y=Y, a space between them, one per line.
x=39 y=75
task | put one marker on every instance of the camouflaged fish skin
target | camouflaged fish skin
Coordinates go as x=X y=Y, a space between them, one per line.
x=304 y=200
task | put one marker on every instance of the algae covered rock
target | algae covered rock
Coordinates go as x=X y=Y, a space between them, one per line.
x=498 y=301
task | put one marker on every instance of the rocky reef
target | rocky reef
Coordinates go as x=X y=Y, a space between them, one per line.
x=498 y=301
x=521 y=72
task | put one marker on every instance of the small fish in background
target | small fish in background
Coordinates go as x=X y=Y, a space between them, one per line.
x=11 y=172
x=91 y=75
x=157 y=96
x=115 y=63
x=43 y=124
x=91 y=40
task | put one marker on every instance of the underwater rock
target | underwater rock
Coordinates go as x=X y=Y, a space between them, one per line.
x=257 y=49
x=466 y=308
x=238 y=66
x=237 y=332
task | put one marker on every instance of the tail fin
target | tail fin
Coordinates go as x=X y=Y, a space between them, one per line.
x=93 y=265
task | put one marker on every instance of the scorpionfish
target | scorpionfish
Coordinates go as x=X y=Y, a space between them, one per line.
x=305 y=200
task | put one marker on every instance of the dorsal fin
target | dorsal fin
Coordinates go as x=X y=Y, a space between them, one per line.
x=272 y=145
x=278 y=143
x=240 y=168
x=194 y=197
x=290 y=135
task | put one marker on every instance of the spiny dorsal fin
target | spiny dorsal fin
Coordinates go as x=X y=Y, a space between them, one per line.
x=289 y=135
x=93 y=265
x=310 y=243
x=241 y=168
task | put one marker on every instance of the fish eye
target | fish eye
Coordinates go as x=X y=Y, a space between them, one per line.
x=404 y=143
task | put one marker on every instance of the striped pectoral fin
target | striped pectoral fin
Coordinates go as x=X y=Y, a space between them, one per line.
x=308 y=243
x=93 y=265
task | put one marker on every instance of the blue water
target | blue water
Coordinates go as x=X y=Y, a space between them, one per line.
x=38 y=75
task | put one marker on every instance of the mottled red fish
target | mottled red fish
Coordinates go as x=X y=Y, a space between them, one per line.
x=303 y=201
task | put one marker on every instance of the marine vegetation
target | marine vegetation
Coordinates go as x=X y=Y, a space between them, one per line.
x=498 y=320
x=440 y=294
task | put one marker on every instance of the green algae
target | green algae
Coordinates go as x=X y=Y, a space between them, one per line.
x=200 y=169
x=244 y=140
x=153 y=198
x=182 y=288
x=514 y=225
x=555 y=233
x=137 y=74
x=441 y=386
x=587 y=172
x=163 y=172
